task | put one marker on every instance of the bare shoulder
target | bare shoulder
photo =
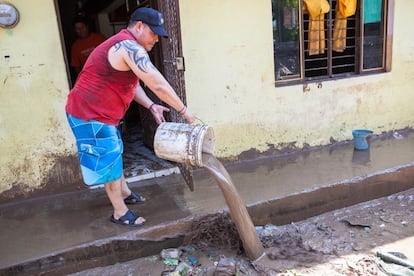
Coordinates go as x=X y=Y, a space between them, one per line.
x=129 y=45
x=133 y=54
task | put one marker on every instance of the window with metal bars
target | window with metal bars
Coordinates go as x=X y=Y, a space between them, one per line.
x=323 y=39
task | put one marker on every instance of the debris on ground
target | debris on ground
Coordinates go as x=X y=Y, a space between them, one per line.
x=371 y=238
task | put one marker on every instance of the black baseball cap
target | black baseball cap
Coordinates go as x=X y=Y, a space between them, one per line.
x=152 y=18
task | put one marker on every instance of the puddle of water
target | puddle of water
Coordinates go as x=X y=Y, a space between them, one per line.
x=279 y=176
x=238 y=212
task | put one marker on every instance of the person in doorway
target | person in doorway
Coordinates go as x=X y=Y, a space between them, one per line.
x=108 y=83
x=84 y=44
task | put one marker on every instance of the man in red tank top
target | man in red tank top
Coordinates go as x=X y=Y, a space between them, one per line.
x=107 y=84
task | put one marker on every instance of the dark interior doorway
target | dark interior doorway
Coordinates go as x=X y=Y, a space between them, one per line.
x=138 y=127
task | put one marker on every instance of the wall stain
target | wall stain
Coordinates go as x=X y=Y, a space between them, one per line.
x=64 y=176
x=273 y=149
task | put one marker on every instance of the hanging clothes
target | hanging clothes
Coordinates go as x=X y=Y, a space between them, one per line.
x=343 y=9
x=316 y=34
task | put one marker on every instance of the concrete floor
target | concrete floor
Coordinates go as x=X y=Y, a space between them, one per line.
x=36 y=234
x=140 y=162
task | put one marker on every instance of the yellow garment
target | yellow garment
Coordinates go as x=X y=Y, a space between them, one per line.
x=316 y=35
x=344 y=9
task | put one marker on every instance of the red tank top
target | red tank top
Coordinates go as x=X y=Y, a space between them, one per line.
x=101 y=92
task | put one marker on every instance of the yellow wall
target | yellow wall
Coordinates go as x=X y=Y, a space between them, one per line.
x=229 y=75
x=33 y=130
x=230 y=83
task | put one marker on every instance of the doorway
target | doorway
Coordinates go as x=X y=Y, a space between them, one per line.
x=138 y=126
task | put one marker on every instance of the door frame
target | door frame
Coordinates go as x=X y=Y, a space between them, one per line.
x=164 y=57
x=171 y=49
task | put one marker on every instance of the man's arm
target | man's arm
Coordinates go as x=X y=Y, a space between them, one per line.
x=75 y=60
x=129 y=55
x=157 y=110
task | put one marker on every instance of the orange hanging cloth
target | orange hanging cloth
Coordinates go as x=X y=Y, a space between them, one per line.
x=344 y=9
x=316 y=36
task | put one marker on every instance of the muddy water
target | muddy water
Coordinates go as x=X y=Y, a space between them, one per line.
x=238 y=212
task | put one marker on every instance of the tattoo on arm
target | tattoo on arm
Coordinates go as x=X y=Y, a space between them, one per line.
x=137 y=54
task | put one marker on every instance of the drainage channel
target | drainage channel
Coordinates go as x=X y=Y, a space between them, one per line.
x=278 y=211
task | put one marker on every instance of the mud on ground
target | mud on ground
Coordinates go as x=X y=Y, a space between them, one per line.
x=341 y=242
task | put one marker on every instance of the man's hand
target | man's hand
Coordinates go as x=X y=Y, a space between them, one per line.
x=158 y=112
x=188 y=116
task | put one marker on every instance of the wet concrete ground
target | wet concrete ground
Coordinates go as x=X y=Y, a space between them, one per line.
x=33 y=231
x=341 y=242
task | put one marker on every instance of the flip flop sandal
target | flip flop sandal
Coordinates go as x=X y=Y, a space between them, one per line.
x=134 y=198
x=130 y=217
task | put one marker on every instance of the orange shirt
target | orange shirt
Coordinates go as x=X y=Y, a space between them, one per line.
x=83 y=47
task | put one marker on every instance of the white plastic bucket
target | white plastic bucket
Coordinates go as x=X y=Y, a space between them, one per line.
x=183 y=143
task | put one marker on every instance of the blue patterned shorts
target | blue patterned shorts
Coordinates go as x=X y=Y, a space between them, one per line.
x=99 y=150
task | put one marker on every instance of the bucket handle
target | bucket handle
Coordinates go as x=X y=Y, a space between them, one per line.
x=197 y=118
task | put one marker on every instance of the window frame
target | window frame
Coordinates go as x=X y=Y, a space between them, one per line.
x=387 y=34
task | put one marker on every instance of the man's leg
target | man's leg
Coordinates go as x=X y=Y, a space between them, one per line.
x=126 y=191
x=115 y=195
x=116 y=190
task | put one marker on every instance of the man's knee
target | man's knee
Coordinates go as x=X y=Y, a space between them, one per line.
x=113 y=185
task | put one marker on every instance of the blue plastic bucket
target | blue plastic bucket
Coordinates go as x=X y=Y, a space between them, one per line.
x=361 y=137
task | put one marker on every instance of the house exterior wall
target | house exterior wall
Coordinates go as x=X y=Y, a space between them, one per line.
x=228 y=51
x=35 y=141
x=229 y=84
